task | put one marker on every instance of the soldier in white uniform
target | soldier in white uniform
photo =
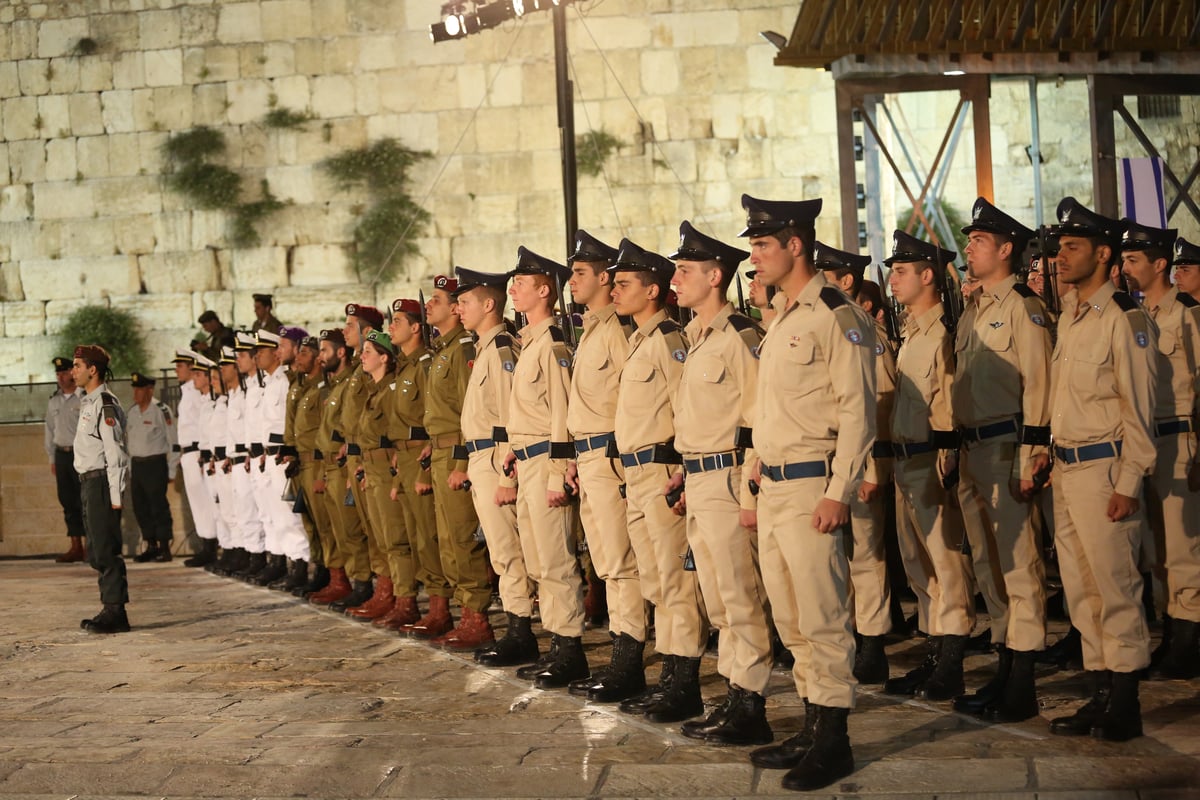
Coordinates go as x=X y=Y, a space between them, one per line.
x=151 y=438
x=188 y=453
x=62 y=415
x=253 y=535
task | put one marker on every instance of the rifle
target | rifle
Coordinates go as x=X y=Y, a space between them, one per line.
x=1045 y=257
x=951 y=295
x=891 y=311
x=568 y=322
x=425 y=337
x=742 y=308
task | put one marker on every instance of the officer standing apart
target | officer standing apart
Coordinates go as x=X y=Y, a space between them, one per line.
x=151 y=436
x=1001 y=404
x=264 y=314
x=1102 y=417
x=1172 y=499
x=103 y=466
x=812 y=433
x=714 y=411
x=62 y=417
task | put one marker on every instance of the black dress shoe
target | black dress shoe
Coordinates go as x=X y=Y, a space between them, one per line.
x=164 y=554
x=149 y=554
x=111 y=619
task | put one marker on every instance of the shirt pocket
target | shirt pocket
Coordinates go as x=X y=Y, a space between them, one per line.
x=1168 y=343
x=803 y=373
x=638 y=381
x=1094 y=368
x=705 y=370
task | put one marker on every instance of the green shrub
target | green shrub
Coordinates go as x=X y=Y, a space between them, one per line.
x=953 y=219
x=114 y=329
x=592 y=149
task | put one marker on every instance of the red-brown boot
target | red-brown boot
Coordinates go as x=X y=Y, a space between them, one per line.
x=339 y=587
x=75 y=553
x=381 y=602
x=474 y=631
x=435 y=622
x=404 y=612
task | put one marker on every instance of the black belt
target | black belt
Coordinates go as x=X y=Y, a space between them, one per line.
x=1089 y=452
x=654 y=454
x=532 y=451
x=206 y=455
x=714 y=461
x=353 y=449
x=796 y=470
x=239 y=447
x=273 y=451
x=592 y=443
x=318 y=455
x=989 y=431
x=902 y=450
x=92 y=474
x=881 y=450
x=191 y=448
x=256 y=450
x=141 y=459
x=275 y=438
x=475 y=445
x=238 y=459
x=1173 y=427
x=174 y=448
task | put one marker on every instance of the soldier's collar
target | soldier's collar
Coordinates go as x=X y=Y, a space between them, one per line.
x=1002 y=289
x=536 y=329
x=718 y=323
x=1102 y=296
x=450 y=335
x=926 y=320
x=810 y=295
x=487 y=336
x=602 y=313
x=652 y=323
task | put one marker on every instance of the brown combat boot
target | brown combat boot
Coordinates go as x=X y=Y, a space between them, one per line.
x=435 y=622
x=339 y=587
x=381 y=602
x=474 y=631
x=74 y=553
x=404 y=612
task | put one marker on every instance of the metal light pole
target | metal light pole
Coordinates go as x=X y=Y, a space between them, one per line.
x=566 y=125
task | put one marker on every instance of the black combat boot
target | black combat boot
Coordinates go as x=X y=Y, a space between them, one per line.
x=829 y=759
x=870 y=661
x=205 y=554
x=1182 y=659
x=570 y=664
x=1164 y=644
x=517 y=646
x=230 y=558
x=790 y=752
x=276 y=568
x=744 y=721
x=255 y=563
x=908 y=683
x=164 y=552
x=1122 y=719
x=149 y=554
x=682 y=700
x=111 y=619
x=297 y=576
x=699 y=728
x=652 y=694
x=582 y=686
x=1066 y=653
x=626 y=676
x=1081 y=722
x=1019 y=700
x=946 y=680
x=990 y=693
x=318 y=581
x=543 y=662
x=360 y=592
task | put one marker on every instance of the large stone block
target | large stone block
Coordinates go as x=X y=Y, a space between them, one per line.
x=84 y=238
x=15 y=204
x=208 y=230
x=376 y=53
x=279 y=59
x=85 y=114
x=32 y=240
x=156 y=311
x=59 y=311
x=704 y=28
x=257 y=268
x=209 y=104
x=63 y=200
x=24 y=318
x=20 y=117
x=95 y=74
x=123 y=155
x=173 y=107
x=159 y=30
x=55 y=117
x=64 y=75
x=292 y=183
x=69 y=278
x=635 y=32
x=166 y=273
x=10 y=278
x=329 y=17
x=197 y=25
x=23 y=39
x=129 y=70
x=117 y=111
x=321 y=265
x=292 y=91
x=134 y=234
x=316 y=308
x=660 y=72
x=221 y=302
x=418 y=131
x=57 y=37
x=60 y=160
x=10 y=82
x=173 y=232
x=247 y=101
x=332 y=96
x=286 y=20
x=309 y=55
x=220 y=64
x=133 y=195
x=27 y=161
x=163 y=67
x=240 y=22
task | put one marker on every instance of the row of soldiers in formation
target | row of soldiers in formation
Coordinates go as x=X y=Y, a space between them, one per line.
x=732 y=478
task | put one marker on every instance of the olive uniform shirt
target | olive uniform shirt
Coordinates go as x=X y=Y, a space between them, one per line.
x=454 y=353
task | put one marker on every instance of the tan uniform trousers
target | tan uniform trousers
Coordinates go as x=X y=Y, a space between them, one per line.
x=420 y=521
x=930 y=532
x=870 y=593
x=1098 y=560
x=500 y=529
x=394 y=538
x=807 y=577
x=726 y=567
x=602 y=510
x=375 y=550
x=1004 y=546
x=548 y=543
x=659 y=539
x=347 y=527
x=464 y=560
x=1174 y=512
x=321 y=546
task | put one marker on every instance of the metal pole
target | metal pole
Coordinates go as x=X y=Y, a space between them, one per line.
x=1035 y=152
x=877 y=235
x=566 y=125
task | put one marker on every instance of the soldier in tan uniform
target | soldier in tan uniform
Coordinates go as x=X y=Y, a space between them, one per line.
x=599 y=478
x=925 y=445
x=813 y=429
x=1187 y=267
x=1172 y=505
x=463 y=556
x=1001 y=394
x=351 y=565
x=869 y=585
x=645 y=430
x=713 y=411
x=541 y=448
x=305 y=428
x=481 y=298
x=1102 y=417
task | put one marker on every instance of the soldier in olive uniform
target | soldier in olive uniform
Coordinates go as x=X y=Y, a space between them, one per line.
x=813 y=429
x=290 y=340
x=310 y=462
x=1102 y=388
x=264 y=314
x=1172 y=503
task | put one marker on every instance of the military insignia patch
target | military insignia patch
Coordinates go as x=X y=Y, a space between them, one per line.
x=508 y=366
x=996 y=325
x=679 y=355
x=1139 y=337
x=854 y=335
x=1038 y=319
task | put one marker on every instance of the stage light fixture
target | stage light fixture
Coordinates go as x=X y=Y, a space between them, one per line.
x=454 y=24
x=518 y=7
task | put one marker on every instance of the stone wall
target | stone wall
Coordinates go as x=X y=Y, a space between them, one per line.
x=687 y=85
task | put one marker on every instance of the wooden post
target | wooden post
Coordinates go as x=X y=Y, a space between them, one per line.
x=846 y=167
x=978 y=92
x=1104 y=146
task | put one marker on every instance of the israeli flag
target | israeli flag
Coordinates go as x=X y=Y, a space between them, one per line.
x=1141 y=187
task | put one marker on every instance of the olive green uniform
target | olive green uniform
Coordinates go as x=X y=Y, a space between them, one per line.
x=347 y=528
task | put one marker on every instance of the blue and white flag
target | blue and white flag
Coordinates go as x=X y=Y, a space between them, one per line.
x=1141 y=186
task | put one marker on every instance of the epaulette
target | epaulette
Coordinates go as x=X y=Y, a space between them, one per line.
x=562 y=350
x=110 y=409
x=1035 y=307
x=748 y=330
x=1135 y=315
x=1188 y=301
x=626 y=323
x=166 y=411
x=843 y=312
x=425 y=361
x=506 y=351
x=673 y=336
x=468 y=346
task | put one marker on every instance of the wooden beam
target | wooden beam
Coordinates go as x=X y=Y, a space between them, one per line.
x=847 y=171
x=1104 y=146
x=979 y=93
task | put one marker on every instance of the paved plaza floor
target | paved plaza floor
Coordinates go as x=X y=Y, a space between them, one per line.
x=229 y=691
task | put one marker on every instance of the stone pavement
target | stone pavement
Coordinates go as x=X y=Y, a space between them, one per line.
x=226 y=690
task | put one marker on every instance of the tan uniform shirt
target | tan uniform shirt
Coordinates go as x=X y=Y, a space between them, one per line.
x=879 y=470
x=1102 y=383
x=717 y=390
x=649 y=379
x=925 y=376
x=816 y=388
x=1178 y=348
x=1003 y=354
x=541 y=385
x=486 y=400
x=599 y=358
